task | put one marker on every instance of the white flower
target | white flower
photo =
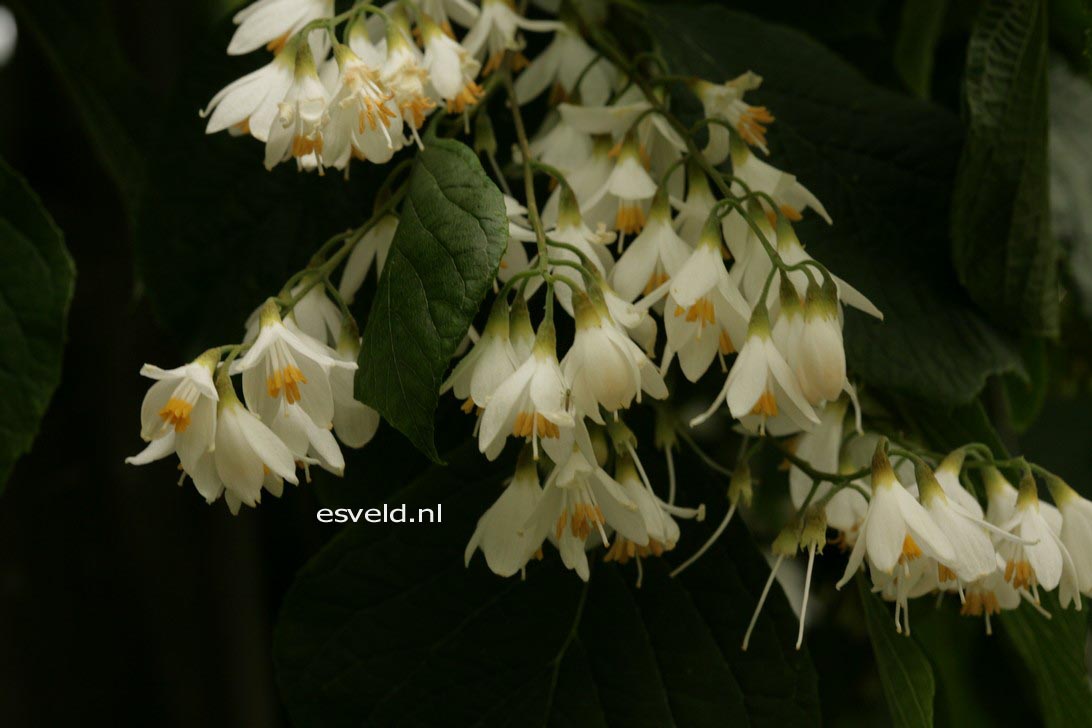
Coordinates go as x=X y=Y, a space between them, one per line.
x=488 y=363
x=704 y=312
x=462 y=12
x=821 y=364
x=272 y=22
x=494 y=32
x=249 y=104
x=988 y=596
x=315 y=314
x=695 y=209
x=297 y=130
x=725 y=101
x=563 y=146
x=531 y=403
x=897 y=529
x=355 y=423
x=652 y=257
x=604 y=367
x=974 y=554
x=584 y=182
x=179 y=412
x=515 y=259
x=520 y=331
x=562 y=62
x=821 y=448
x=792 y=198
x=579 y=498
x=761 y=383
x=363 y=118
x=451 y=68
x=947 y=474
x=500 y=533
x=1076 y=533
x=247 y=456
x=629 y=187
x=655 y=135
x=308 y=442
x=572 y=232
x=373 y=247
x=1040 y=559
x=284 y=367
x=404 y=75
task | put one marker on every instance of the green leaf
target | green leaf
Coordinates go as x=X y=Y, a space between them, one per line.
x=216 y=233
x=36 y=281
x=905 y=673
x=386 y=626
x=451 y=235
x=916 y=43
x=82 y=47
x=882 y=164
x=1001 y=240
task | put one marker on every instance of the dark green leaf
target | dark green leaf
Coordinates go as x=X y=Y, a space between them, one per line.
x=81 y=44
x=1026 y=394
x=1001 y=239
x=882 y=164
x=36 y=281
x=386 y=626
x=916 y=42
x=217 y=234
x=451 y=235
x=905 y=673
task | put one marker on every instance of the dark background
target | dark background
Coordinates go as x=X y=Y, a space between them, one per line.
x=125 y=598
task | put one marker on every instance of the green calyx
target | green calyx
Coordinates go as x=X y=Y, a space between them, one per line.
x=741 y=487
x=499 y=317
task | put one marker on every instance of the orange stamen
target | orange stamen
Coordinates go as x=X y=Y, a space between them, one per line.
x=176 y=413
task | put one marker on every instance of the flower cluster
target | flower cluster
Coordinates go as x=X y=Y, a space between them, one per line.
x=649 y=248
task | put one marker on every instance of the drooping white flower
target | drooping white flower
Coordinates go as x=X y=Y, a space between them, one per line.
x=585 y=181
x=761 y=383
x=988 y=596
x=579 y=499
x=462 y=12
x=315 y=314
x=355 y=423
x=247 y=455
x=373 y=247
x=603 y=367
x=297 y=129
x=1001 y=500
x=364 y=121
x=652 y=257
x=788 y=326
x=286 y=367
x=792 y=198
x=452 y=69
x=500 y=533
x=975 y=557
x=897 y=529
x=494 y=32
x=561 y=145
x=725 y=101
x=821 y=363
x=947 y=474
x=694 y=211
x=515 y=259
x=704 y=312
x=562 y=62
x=1076 y=535
x=663 y=531
x=248 y=105
x=405 y=76
x=1040 y=559
x=179 y=412
x=574 y=235
x=488 y=363
x=821 y=447
x=531 y=403
x=629 y=187
x=520 y=331
x=272 y=22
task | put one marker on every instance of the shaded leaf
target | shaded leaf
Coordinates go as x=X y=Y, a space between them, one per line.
x=916 y=42
x=36 y=282
x=882 y=164
x=451 y=235
x=905 y=673
x=386 y=626
x=1001 y=240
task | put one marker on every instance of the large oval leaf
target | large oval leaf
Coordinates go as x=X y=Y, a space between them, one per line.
x=451 y=235
x=36 y=281
x=386 y=627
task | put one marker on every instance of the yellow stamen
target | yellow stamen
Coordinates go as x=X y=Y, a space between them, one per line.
x=701 y=310
x=304 y=145
x=277 y=45
x=751 y=125
x=176 y=413
x=910 y=548
x=630 y=218
x=467 y=97
x=766 y=405
x=655 y=281
x=288 y=380
x=945 y=574
x=1019 y=573
x=726 y=345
